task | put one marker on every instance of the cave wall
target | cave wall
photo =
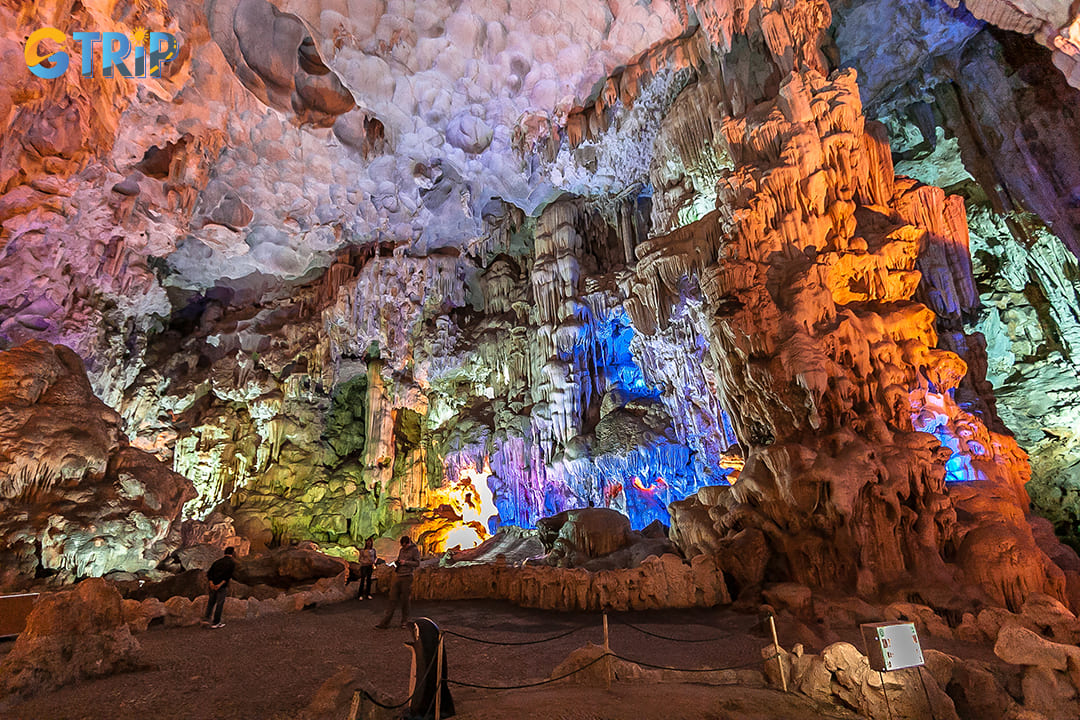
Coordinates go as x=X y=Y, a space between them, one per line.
x=76 y=500
x=991 y=115
x=436 y=269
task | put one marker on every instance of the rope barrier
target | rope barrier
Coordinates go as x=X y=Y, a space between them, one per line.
x=666 y=637
x=598 y=659
x=407 y=700
x=571 y=631
x=530 y=685
x=515 y=643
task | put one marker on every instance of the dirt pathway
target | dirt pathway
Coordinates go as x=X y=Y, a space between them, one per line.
x=271 y=667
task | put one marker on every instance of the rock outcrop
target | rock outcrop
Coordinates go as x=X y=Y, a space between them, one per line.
x=841 y=675
x=1051 y=671
x=72 y=635
x=75 y=499
x=832 y=374
x=657 y=582
x=598 y=538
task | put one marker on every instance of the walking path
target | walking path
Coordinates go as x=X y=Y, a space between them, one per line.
x=270 y=668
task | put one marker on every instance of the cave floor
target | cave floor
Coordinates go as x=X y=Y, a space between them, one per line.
x=271 y=667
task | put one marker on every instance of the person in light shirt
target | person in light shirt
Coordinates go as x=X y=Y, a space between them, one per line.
x=368 y=558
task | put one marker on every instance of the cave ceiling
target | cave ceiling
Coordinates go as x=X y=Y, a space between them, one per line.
x=286 y=131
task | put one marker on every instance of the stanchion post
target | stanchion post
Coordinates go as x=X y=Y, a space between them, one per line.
x=607 y=652
x=776 y=647
x=888 y=707
x=438 y=678
x=354 y=708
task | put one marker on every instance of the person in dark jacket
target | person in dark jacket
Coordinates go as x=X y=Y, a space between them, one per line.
x=219 y=575
x=408 y=559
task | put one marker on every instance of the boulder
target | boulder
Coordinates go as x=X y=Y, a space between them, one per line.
x=925 y=619
x=1048 y=615
x=1051 y=674
x=286 y=567
x=190 y=584
x=598 y=539
x=841 y=675
x=584 y=534
x=334 y=697
x=1020 y=646
x=513 y=544
x=1049 y=693
x=977 y=693
x=182 y=612
x=70 y=636
x=139 y=615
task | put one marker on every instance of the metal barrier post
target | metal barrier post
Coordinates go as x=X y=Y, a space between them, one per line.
x=779 y=660
x=438 y=678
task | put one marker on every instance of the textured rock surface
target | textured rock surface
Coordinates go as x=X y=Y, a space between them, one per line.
x=70 y=636
x=75 y=500
x=657 y=582
x=842 y=675
x=1051 y=676
x=986 y=114
x=833 y=366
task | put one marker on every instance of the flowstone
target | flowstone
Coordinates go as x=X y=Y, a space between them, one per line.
x=75 y=499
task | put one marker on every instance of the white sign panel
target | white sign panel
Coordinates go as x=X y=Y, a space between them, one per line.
x=892 y=646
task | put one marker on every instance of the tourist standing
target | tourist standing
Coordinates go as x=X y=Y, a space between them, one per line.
x=368 y=558
x=219 y=575
x=408 y=560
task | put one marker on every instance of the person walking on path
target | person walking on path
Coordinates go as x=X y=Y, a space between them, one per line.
x=219 y=575
x=408 y=560
x=368 y=558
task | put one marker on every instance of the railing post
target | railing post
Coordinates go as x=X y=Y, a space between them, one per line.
x=776 y=647
x=607 y=652
x=438 y=678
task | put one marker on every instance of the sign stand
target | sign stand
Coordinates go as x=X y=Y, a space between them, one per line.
x=888 y=707
x=929 y=705
x=894 y=646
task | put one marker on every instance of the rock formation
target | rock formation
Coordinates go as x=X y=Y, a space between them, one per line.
x=656 y=582
x=986 y=114
x=599 y=538
x=70 y=636
x=361 y=270
x=75 y=499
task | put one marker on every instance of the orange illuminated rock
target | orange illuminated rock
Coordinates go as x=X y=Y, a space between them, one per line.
x=859 y=460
